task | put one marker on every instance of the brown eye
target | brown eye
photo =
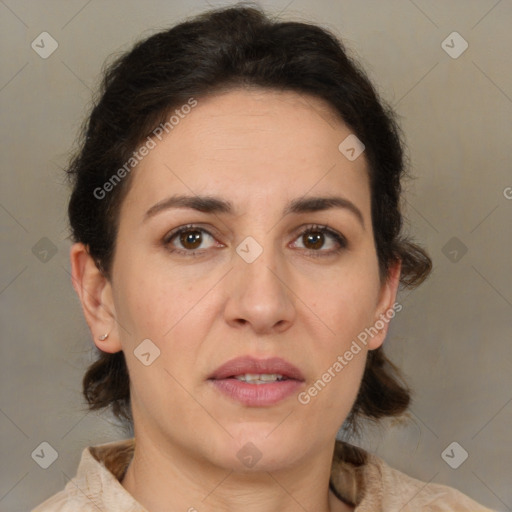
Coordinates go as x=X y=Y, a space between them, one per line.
x=313 y=240
x=191 y=239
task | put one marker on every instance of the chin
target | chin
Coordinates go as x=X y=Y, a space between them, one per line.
x=255 y=449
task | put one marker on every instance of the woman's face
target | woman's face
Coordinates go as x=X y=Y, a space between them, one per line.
x=245 y=281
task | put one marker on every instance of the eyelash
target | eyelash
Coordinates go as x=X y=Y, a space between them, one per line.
x=315 y=228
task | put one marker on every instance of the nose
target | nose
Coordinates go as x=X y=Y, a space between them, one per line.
x=260 y=295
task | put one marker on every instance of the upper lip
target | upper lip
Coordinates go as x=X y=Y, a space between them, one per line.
x=247 y=364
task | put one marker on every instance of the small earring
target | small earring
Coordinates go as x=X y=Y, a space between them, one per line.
x=103 y=337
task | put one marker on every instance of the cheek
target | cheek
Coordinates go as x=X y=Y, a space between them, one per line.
x=170 y=312
x=347 y=306
x=328 y=399
x=348 y=302
x=147 y=300
x=338 y=354
x=151 y=309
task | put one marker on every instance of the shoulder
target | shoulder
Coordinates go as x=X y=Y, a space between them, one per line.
x=368 y=482
x=399 y=491
x=59 y=502
x=74 y=496
x=96 y=485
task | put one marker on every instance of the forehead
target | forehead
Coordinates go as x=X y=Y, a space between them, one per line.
x=257 y=145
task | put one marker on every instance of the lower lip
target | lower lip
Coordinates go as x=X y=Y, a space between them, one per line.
x=255 y=395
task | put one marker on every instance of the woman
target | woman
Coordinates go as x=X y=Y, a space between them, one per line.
x=238 y=251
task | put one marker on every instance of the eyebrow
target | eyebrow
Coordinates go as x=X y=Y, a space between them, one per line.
x=211 y=204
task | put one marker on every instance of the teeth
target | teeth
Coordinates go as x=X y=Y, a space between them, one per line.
x=259 y=378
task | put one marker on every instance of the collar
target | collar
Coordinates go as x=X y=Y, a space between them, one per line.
x=357 y=477
x=355 y=474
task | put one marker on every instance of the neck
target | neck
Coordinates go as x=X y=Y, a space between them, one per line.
x=171 y=480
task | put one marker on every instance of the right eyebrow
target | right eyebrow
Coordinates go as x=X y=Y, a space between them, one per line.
x=207 y=204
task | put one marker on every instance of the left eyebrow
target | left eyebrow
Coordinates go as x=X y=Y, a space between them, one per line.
x=315 y=204
x=211 y=204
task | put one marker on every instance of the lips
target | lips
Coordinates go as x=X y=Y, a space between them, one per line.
x=249 y=365
x=257 y=392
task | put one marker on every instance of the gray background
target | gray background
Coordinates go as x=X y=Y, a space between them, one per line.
x=453 y=337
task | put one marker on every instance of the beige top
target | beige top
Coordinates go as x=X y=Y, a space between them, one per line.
x=371 y=487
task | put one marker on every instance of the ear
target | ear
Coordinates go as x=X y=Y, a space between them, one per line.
x=95 y=293
x=386 y=307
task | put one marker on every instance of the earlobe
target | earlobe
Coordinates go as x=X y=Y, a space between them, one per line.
x=386 y=307
x=95 y=293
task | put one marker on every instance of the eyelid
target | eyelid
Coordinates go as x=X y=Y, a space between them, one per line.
x=188 y=227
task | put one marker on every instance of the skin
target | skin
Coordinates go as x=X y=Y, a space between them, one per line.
x=258 y=149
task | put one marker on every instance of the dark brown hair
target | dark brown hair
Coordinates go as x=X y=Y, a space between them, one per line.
x=221 y=50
